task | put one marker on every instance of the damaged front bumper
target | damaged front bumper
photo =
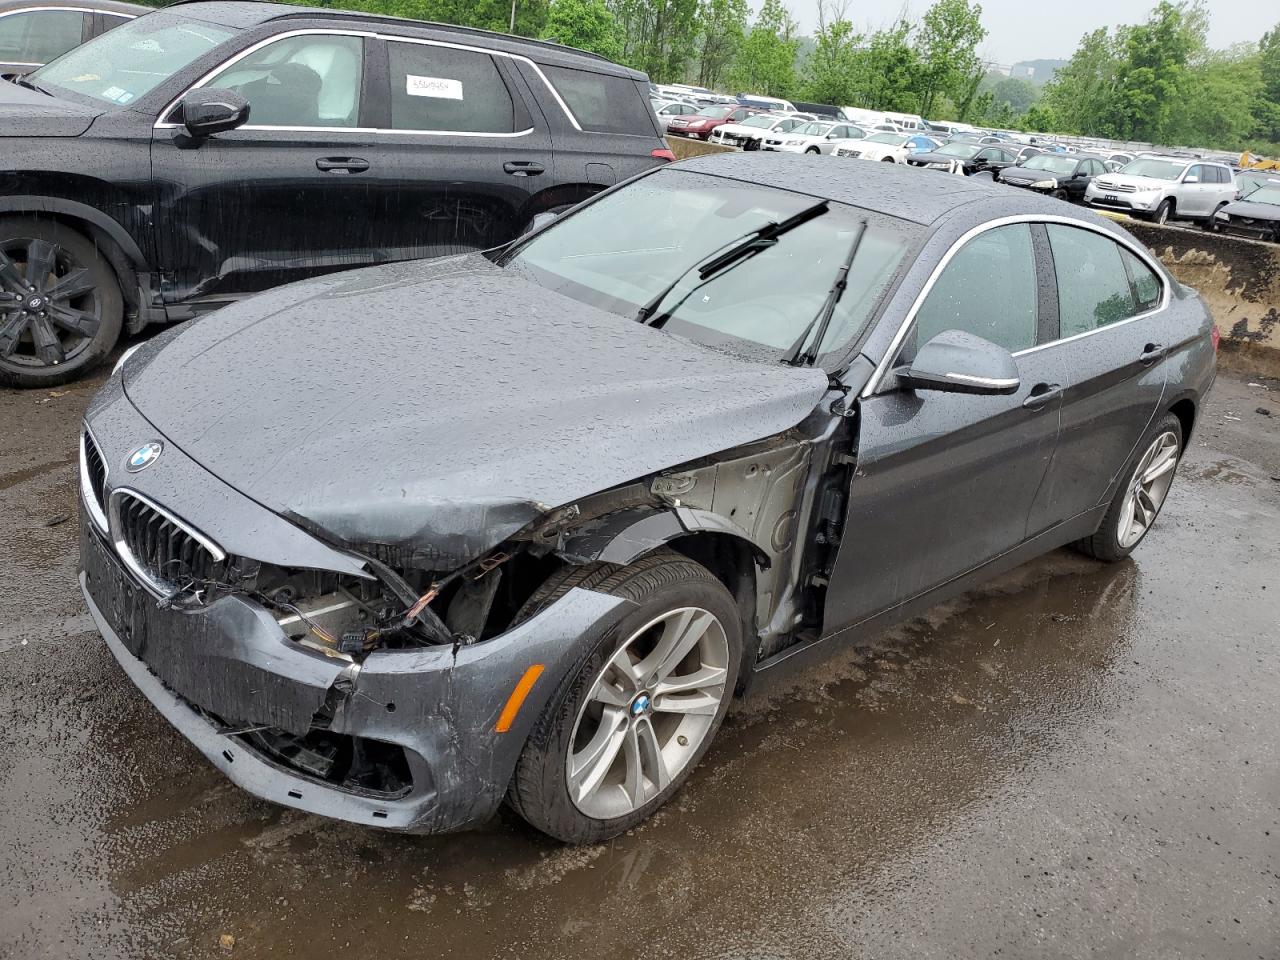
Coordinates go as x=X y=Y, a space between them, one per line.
x=271 y=714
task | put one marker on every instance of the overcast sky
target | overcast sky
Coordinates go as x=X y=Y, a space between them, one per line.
x=1019 y=30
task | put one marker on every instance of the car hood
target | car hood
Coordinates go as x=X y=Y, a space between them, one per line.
x=1254 y=211
x=1129 y=180
x=1023 y=175
x=427 y=411
x=29 y=113
x=929 y=156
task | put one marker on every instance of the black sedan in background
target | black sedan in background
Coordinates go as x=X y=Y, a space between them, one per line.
x=755 y=422
x=33 y=32
x=1256 y=215
x=964 y=157
x=1061 y=175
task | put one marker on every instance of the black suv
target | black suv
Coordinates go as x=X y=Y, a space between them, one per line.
x=211 y=150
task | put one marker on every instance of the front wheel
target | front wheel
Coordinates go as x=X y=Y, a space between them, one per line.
x=1163 y=212
x=1211 y=224
x=627 y=726
x=813 y=150
x=1137 y=503
x=60 y=303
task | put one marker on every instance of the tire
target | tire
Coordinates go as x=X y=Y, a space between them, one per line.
x=888 y=160
x=1163 y=212
x=813 y=150
x=1108 y=543
x=1211 y=224
x=665 y=586
x=1061 y=195
x=76 y=312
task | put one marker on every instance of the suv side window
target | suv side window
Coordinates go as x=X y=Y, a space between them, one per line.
x=1146 y=285
x=1093 y=286
x=988 y=289
x=306 y=81
x=38 y=36
x=443 y=89
x=600 y=103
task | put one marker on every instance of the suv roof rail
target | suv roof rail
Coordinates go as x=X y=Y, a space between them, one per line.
x=288 y=12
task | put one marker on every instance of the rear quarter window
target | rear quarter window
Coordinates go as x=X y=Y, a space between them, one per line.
x=443 y=89
x=602 y=103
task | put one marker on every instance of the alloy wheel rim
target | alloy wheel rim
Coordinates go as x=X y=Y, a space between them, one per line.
x=649 y=710
x=1148 y=488
x=49 y=307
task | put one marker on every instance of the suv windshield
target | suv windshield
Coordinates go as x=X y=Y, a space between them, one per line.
x=962 y=150
x=121 y=65
x=761 y=120
x=1047 y=161
x=1156 y=169
x=619 y=252
x=895 y=138
x=715 y=112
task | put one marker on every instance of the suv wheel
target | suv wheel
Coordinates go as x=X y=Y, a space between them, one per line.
x=1163 y=212
x=629 y=723
x=1137 y=503
x=60 y=303
x=1211 y=224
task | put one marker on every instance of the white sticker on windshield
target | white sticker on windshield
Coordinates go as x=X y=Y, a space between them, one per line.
x=438 y=87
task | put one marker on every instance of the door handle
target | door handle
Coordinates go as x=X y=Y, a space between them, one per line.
x=1151 y=353
x=1041 y=394
x=523 y=168
x=342 y=165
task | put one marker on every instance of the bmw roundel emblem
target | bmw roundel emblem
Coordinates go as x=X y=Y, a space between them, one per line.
x=640 y=704
x=144 y=456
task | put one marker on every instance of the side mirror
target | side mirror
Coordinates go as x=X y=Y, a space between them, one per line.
x=958 y=362
x=540 y=220
x=1191 y=179
x=206 y=111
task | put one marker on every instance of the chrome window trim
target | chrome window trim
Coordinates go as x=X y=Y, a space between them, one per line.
x=46 y=8
x=86 y=488
x=164 y=124
x=877 y=377
x=159 y=588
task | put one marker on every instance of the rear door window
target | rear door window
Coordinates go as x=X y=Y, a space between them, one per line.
x=442 y=89
x=988 y=289
x=1146 y=285
x=601 y=103
x=38 y=36
x=1093 y=285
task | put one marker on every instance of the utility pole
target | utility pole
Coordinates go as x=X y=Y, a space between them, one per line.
x=512 y=28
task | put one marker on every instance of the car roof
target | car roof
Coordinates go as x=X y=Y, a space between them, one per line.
x=105 y=6
x=250 y=13
x=896 y=190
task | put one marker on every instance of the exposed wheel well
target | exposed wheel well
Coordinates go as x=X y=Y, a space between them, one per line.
x=1185 y=411
x=731 y=561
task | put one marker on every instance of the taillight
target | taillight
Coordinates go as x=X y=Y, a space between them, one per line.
x=1216 y=337
x=662 y=153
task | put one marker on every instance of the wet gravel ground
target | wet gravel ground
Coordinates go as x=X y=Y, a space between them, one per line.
x=1077 y=761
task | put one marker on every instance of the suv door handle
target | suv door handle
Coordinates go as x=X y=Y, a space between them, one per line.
x=1151 y=353
x=1041 y=394
x=342 y=165
x=523 y=168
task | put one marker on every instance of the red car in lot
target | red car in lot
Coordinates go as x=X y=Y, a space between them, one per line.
x=699 y=125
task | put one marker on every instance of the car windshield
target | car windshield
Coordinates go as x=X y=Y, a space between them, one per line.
x=121 y=65
x=1155 y=169
x=715 y=112
x=1050 y=162
x=622 y=250
x=760 y=121
x=893 y=138
x=814 y=128
x=962 y=150
x=1267 y=194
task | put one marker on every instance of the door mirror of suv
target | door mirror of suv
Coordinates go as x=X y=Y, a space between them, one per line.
x=1191 y=178
x=208 y=111
x=958 y=362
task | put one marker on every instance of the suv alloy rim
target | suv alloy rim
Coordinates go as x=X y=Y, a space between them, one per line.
x=49 y=308
x=648 y=712
x=1148 y=487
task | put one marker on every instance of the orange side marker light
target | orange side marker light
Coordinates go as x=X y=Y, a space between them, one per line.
x=516 y=700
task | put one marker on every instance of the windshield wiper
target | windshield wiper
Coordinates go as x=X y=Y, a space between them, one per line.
x=24 y=82
x=801 y=355
x=746 y=246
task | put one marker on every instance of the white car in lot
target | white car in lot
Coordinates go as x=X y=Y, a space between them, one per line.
x=816 y=136
x=751 y=132
x=668 y=110
x=887 y=147
x=1165 y=188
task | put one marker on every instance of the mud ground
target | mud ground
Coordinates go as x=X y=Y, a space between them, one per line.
x=1078 y=761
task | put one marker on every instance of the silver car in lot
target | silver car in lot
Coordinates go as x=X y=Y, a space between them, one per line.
x=1165 y=188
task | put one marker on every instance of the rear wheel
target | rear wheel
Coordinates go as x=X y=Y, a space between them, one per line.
x=631 y=721
x=60 y=303
x=1137 y=503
